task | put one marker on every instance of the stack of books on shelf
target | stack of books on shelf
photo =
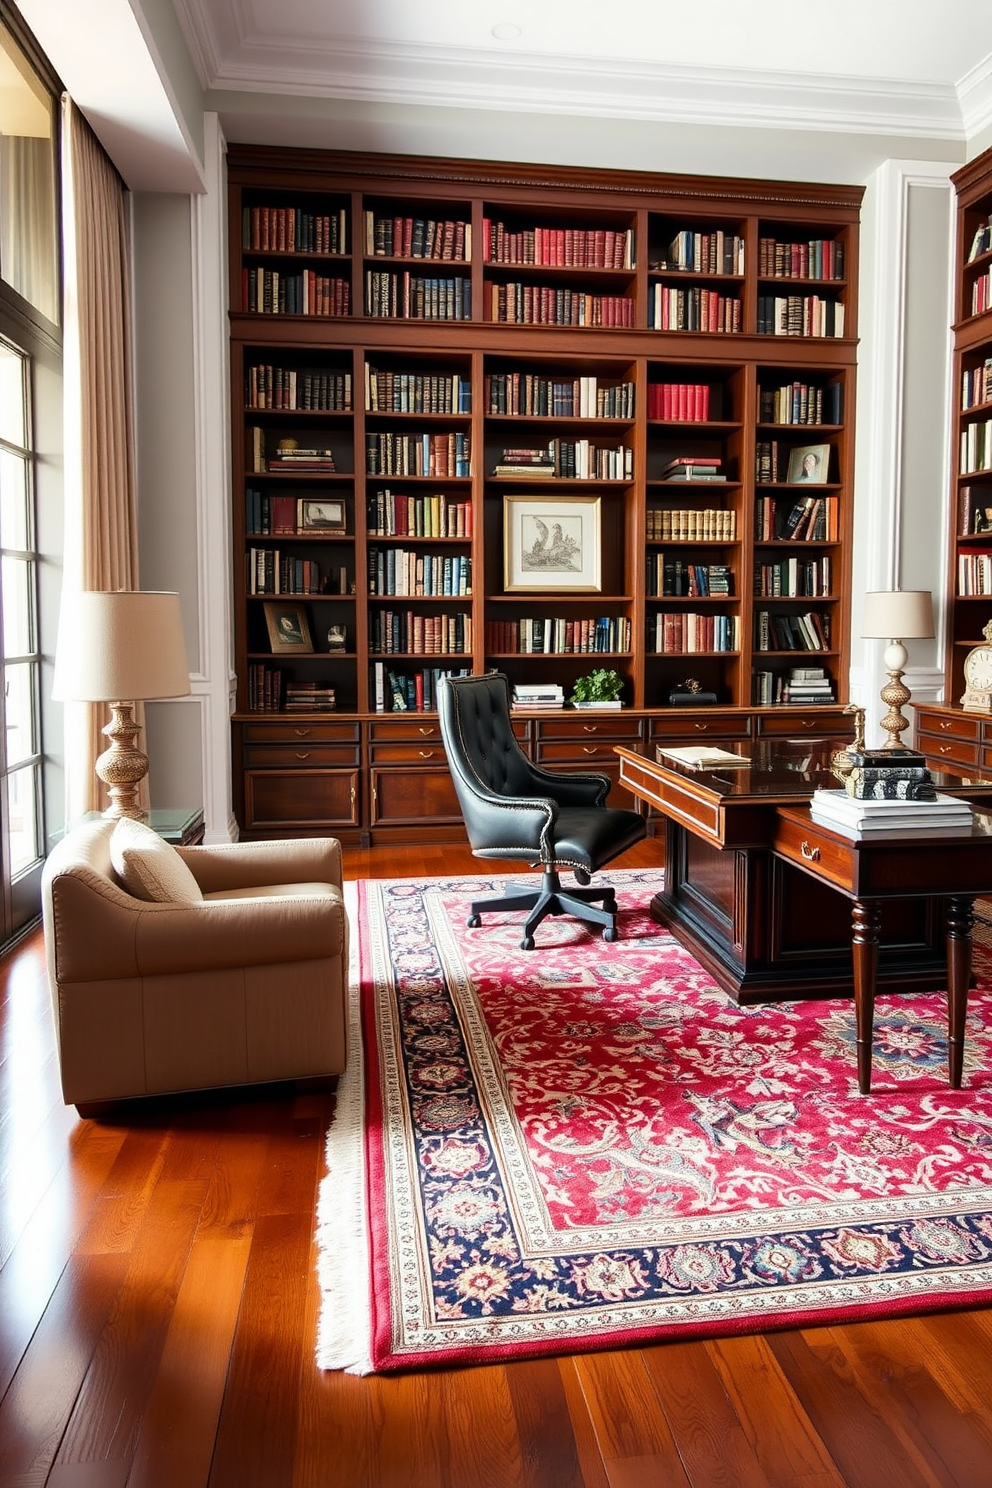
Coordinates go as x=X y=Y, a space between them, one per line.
x=537 y=697
x=943 y=816
x=808 y=685
x=308 y=697
x=525 y=464
x=290 y=456
x=693 y=468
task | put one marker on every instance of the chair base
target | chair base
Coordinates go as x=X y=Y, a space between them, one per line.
x=552 y=899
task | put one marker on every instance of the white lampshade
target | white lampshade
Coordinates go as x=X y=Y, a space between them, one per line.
x=898 y=615
x=121 y=645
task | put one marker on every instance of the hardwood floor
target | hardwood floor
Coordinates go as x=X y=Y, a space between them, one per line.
x=158 y=1310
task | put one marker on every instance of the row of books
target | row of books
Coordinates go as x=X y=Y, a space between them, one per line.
x=981 y=293
x=673 y=578
x=817 y=258
x=399 y=571
x=401 y=295
x=566 y=459
x=269 y=292
x=809 y=519
x=395 y=514
x=981 y=242
x=401 y=692
x=793 y=578
x=544 y=304
x=417 y=237
x=389 y=391
x=535 y=635
x=976 y=447
x=976 y=385
x=679 y=402
x=690 y=632
x=672 y=308
x=691 y=524
x=289 y=516
x=800 y=315
x=557 y=397
x=974 y=573
x=271 y=572
x=808 y=632
x=287 y=388
x=265 y=688
x=392 y=631
x=293 y=230
x=801 y=403
x=558 y=247
x=809 y=685
x=446 y=455
x=712 y=252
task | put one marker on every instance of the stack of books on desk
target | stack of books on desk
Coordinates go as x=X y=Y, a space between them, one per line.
x=944 y=816
x=537 y=697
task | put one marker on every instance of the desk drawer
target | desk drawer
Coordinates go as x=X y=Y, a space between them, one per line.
x=401 y=753
x=687 y=725
x=289 y=733
x=797 y=723
x=581 y=726
x=574 y=752
x=293 y=756
x=951 y=751
x=966 y=726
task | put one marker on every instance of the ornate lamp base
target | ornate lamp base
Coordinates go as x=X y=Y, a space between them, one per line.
x=122 y=767
x=895 y=695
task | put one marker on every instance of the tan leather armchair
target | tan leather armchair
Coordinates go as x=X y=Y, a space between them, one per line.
x=248 y=985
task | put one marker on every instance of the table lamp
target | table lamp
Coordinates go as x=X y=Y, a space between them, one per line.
x=895 y=616
x=121 y=647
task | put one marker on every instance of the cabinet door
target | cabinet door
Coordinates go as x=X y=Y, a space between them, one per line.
x=413 y=796
x=301 y=801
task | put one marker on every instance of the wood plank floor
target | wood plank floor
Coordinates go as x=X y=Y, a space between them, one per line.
x=158 y=1310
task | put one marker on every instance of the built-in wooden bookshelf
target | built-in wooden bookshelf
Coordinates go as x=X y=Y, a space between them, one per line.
x=540 y=419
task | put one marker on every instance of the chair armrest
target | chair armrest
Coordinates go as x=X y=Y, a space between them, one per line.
x=251 y=865
x=572 y=789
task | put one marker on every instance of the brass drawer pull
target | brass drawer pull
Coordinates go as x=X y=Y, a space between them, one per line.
x=811 y=854
x=303 y=754
x=428 y=731
x=427 y=753
x=590 y=728
x=302 y=733
x=701 y=727
x=945 y=724
x=590 y=749
x=946 y=748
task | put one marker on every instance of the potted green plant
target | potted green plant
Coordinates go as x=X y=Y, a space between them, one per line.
x=598 y=689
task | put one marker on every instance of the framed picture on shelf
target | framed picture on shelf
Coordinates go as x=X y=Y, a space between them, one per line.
x=809 y=464
x=321 y=514
x=288 y=628
x=552 y=544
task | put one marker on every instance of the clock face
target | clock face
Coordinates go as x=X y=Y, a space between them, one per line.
x=978 y=669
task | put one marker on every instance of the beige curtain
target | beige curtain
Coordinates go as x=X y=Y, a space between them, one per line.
x=101 y=530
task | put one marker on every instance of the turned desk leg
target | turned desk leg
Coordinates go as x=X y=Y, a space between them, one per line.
x=866 y=920
x=960 y=918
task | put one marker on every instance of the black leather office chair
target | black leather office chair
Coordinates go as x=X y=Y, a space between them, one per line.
x=514 y=809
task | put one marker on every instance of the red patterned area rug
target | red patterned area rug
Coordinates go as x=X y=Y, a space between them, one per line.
x=588 y=1145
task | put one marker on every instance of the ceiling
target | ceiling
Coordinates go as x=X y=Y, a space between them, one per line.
x=904 y=68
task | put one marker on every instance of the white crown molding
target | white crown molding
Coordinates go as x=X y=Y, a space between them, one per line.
x=467 y=78
x=975 y=96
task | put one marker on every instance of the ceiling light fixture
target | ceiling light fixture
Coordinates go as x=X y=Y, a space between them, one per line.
x=506 y=31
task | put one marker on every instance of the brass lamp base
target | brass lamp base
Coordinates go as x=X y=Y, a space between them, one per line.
x=895 y=695
x=122 y=767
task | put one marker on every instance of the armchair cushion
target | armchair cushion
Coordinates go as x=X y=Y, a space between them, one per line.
x=149 y=868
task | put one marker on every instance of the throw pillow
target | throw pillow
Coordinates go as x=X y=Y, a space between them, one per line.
x=149 y=868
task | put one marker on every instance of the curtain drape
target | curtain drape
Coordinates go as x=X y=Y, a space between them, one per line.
x=101 y=530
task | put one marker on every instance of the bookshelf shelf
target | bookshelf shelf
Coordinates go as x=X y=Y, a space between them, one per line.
x=483 y=332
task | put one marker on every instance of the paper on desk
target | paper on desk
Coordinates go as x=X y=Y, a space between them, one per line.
x=703 y=754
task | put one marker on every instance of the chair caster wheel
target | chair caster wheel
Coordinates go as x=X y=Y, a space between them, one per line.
x=473 y=922
x=527 y=944
x=581 y=876
x=609 y=934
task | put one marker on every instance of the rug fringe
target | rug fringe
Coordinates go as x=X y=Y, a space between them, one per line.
x=343 y=1331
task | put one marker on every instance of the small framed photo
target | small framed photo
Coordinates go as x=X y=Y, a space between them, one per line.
x=552 y=543
x=288 y=628
x=809 y=464
x=320 y=514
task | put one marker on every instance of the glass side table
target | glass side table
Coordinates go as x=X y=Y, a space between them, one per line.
x=180 y=825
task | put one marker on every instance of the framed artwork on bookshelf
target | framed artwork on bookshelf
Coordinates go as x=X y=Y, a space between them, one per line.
x=288 y=628
x=551 y=544
x=809 y=463
x=320 y=515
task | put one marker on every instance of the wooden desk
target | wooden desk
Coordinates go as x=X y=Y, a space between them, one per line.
x=769 y=925
x=870 y=873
